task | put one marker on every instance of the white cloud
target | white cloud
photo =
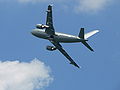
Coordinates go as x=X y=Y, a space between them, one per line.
x=15 y=75
x=33 y=1
x=82 y=5
x=78 y=5
x=91 y=5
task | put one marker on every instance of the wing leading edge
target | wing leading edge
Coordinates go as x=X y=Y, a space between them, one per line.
x=59 y=47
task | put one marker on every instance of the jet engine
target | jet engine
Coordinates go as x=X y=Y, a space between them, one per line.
x=51 y=48
x=41 y=26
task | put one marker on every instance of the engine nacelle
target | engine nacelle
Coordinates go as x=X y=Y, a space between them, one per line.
x=41 y=26
x=51 y=48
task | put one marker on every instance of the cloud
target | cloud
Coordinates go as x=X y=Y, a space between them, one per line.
x=91 y=5
x=32 y=1
x=37 y=1
x=78 y=5
x=15 y=75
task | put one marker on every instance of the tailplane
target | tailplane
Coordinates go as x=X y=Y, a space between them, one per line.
x=85 y=36
x=87 y=45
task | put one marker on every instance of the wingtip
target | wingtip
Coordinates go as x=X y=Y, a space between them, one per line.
x=79 y=67
x=75 y=65
x=92 y=50
x=97 y=30
x=50 y=5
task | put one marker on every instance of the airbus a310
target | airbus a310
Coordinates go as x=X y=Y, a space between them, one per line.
x=47 y=32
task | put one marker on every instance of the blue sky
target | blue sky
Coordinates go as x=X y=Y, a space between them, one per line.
x=100 y=69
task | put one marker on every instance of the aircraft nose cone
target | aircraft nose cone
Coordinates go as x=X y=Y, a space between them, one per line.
x=33 y=32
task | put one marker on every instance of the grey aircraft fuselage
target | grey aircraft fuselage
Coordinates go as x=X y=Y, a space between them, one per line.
x=59 y=37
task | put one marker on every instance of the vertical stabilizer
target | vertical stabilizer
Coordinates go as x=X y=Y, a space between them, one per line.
x=81 y=34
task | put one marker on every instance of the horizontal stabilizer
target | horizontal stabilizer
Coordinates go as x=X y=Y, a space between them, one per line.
x=87 y=35
x=86 y=44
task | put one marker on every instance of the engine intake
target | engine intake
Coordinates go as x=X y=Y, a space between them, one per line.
x=41 y=26
x=51 y=48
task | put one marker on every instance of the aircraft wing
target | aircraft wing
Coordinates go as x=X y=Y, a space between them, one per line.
x=59 y=47
x=49 y=22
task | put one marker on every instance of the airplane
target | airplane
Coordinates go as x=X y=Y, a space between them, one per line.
x=47 y=32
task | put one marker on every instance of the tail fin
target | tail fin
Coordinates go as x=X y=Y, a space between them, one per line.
x=81 y=34
x=85 y=36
